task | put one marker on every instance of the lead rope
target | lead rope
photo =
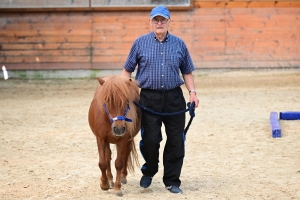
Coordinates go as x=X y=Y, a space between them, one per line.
x=191 y=109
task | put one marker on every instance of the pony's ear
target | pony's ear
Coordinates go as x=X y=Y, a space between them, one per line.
x=100 y=80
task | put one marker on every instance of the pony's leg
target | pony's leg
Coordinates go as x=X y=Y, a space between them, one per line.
x=108 y=171
x=119 y=163
x=102 y=146
x=130 y=158
x=124 y=171
x=124 y=174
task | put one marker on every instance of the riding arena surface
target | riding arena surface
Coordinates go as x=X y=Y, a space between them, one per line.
x=47 y=150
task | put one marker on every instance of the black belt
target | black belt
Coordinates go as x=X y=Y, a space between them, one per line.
x=160 y=91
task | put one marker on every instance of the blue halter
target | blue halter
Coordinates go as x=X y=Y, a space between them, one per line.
x=118 y=117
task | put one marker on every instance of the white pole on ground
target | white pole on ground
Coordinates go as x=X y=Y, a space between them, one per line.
x=4 y=72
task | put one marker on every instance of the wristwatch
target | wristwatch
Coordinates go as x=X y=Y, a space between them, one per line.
x=192 y=91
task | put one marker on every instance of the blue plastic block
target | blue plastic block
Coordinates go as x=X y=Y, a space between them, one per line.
x=275 y=126
x=289 y=115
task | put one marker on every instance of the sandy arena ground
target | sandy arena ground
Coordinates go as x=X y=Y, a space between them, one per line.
x=47 y=150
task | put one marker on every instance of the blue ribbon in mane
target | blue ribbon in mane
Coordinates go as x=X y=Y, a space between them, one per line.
x=118 y=117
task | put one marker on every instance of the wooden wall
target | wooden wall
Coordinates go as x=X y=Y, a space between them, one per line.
x=218 y=33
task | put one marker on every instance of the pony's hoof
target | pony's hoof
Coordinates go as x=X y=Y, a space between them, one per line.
x=104 y=187
x=123 y=180
x=118 y=193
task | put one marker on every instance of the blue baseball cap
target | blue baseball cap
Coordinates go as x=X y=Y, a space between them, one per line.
x=160 y=11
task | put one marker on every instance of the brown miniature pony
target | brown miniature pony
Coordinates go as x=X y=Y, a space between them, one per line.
x=115 y=119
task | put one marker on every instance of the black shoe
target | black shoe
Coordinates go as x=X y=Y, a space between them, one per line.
x=174 y=189
x=145 y=181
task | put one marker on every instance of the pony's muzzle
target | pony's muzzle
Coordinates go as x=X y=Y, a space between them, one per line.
x=118 y=131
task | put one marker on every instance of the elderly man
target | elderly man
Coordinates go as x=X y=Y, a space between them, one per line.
x=161 y=59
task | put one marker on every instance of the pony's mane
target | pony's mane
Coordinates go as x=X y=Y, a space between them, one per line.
x=117 y=91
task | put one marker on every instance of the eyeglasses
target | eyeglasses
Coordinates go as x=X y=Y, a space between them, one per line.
x=163 y=21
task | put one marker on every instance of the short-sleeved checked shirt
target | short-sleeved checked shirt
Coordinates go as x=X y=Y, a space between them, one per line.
x=159 y=63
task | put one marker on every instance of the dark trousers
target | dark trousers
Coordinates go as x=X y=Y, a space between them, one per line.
x=166 y=102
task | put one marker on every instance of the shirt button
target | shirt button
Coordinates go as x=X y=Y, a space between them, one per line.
x=162 y=75
x=161 y=53
x=162 y=64
x=162 y=86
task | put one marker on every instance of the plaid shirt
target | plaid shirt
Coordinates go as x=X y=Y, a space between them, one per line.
x=159 y=63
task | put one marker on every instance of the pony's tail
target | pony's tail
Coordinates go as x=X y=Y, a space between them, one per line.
x=133 y=157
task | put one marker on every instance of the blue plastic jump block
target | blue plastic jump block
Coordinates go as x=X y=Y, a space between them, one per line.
x=275 y=126
x=289 y=115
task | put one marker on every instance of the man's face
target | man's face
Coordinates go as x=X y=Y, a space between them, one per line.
x=160 y=25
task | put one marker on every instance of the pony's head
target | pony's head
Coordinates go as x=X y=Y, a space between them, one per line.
x=117 y=96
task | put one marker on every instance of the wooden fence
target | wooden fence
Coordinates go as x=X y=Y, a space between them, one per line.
x=218 y=33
